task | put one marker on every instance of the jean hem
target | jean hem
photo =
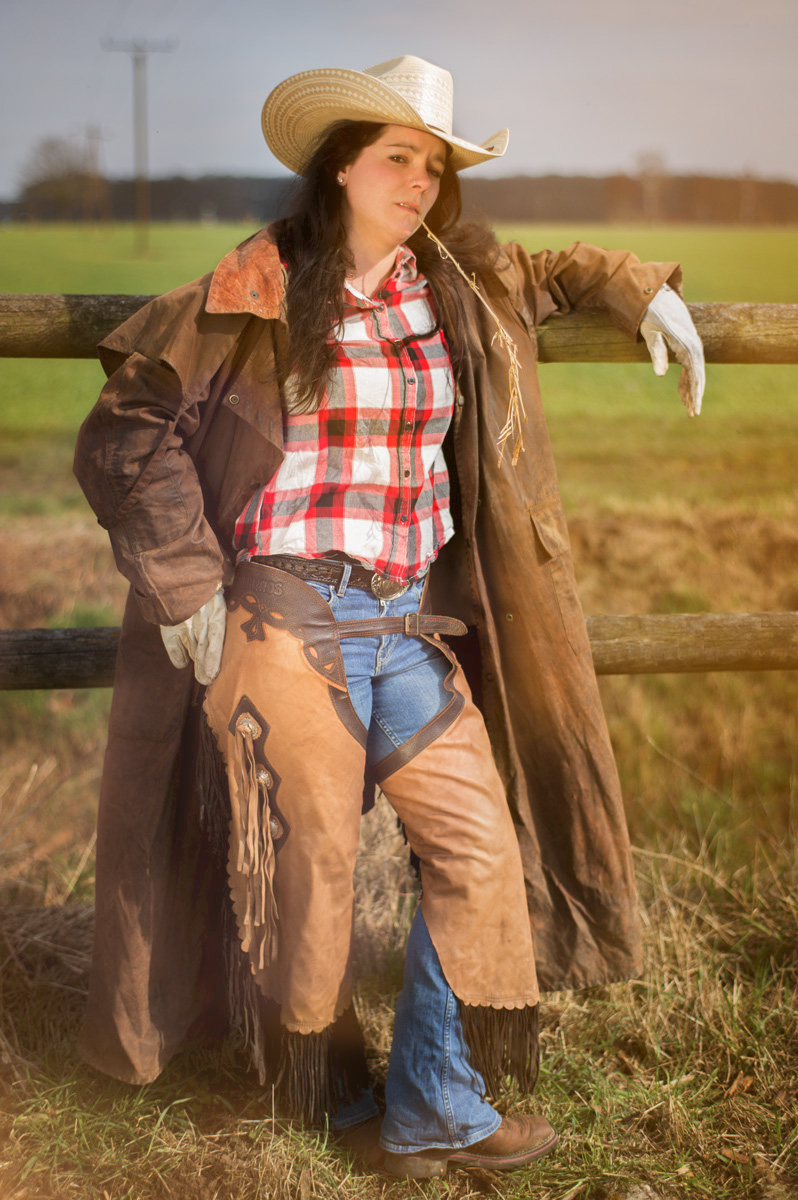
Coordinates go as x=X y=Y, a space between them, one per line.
x=405 y=1148
x=356 y=1114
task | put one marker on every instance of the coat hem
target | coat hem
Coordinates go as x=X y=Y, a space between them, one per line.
x=601 y=981
x=136 y=1078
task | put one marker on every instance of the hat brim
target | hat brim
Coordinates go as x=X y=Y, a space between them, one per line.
x=300 y=109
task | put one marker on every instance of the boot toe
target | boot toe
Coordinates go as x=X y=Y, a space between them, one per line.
x=518 y=1140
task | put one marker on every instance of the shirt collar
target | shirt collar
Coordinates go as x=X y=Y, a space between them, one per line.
x=406 y=265
x=405 y=271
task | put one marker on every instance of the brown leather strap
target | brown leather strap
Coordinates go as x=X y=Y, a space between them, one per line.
x=322 y=570
x=413 y=624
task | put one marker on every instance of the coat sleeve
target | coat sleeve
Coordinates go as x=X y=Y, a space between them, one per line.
x=131 y=462
x=586 y=278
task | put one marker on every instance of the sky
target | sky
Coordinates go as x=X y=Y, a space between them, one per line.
x=585 y=86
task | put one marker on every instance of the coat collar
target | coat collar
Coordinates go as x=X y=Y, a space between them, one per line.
x=250 y=279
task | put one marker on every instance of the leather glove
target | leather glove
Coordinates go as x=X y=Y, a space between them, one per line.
x=668 y=320
x=199 y=639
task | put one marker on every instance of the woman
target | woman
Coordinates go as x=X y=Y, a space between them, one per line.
x=298 y=459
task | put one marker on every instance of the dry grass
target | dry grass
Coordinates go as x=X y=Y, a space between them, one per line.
x=683 y=1081
x=40 y=588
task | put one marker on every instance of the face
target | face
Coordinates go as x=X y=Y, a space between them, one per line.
x=391 y=186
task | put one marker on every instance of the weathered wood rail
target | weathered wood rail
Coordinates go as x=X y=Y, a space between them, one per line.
x=33 y=326
x=621 y=645
x=71 y=326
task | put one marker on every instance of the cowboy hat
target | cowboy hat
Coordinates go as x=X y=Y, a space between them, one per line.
x=404 y=91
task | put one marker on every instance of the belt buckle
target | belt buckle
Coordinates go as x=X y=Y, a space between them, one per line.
x=387 y=589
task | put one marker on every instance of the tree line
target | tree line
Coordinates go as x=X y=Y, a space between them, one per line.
x=57 y=186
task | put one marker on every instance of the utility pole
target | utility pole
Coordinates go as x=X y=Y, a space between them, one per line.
x=138 y=49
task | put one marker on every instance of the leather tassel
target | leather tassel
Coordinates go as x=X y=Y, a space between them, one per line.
x=503 y=1042
x=255 y=856
x=267 y=910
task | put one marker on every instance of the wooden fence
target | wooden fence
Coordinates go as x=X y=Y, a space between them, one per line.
x=71 y=326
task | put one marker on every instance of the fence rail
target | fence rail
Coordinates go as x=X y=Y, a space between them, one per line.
x=71 y=326
x=621 y=645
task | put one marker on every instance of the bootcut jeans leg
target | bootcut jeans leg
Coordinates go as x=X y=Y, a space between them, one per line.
x=434 y=1097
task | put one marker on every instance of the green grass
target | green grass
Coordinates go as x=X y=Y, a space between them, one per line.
x=731 y=263
x=720 y=263
x=76 y=258
x=619 y=433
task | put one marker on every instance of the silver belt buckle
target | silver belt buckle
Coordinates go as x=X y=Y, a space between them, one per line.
x=387 y=589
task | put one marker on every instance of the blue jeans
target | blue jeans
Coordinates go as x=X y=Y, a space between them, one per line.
x=434 y=1097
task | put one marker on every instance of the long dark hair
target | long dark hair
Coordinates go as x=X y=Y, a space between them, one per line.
x=312 y=240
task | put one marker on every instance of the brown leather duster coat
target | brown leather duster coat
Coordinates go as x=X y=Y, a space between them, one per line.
x=187 y=427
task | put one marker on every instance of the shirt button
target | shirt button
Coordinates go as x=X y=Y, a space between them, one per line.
x=407 y=473
x=403 y=520
x=233 y=399
x=408 y=424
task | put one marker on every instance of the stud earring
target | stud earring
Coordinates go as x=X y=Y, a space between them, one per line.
x=341 y=180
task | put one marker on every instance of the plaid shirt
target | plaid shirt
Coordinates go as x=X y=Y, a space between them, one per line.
x=365 y=474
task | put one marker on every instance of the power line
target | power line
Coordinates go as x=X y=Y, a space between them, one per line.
x=139 y=49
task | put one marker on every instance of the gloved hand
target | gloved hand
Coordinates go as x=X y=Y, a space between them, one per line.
x=668 y=320
x=200 y=638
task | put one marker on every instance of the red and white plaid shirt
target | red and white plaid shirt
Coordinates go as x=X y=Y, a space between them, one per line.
x=365 y=474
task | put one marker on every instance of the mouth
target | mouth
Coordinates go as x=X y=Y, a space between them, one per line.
x=410 y=207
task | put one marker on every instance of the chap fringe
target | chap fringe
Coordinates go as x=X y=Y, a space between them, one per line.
x=503 y=1042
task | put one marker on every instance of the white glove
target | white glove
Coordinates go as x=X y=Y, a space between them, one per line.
x=668 y=320
x=200 y=638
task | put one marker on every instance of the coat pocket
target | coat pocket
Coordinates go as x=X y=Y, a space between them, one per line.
x=554 y=551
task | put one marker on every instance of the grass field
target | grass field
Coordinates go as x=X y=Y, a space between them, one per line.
x=684 y=1081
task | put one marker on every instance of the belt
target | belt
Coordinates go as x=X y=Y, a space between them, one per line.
x=413 y=624
x=326 y=571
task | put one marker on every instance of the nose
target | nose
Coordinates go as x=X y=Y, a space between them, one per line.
x=423 y=179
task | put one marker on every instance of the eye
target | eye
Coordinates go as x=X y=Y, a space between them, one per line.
x=398 y=158
x=435 y=172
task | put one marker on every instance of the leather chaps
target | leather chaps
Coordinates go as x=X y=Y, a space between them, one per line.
x=294 y=755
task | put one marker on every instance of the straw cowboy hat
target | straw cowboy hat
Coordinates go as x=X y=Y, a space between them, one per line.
x=404 y=91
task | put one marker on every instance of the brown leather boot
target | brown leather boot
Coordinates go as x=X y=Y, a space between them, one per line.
x=518 y=1141
x=363 y=1143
